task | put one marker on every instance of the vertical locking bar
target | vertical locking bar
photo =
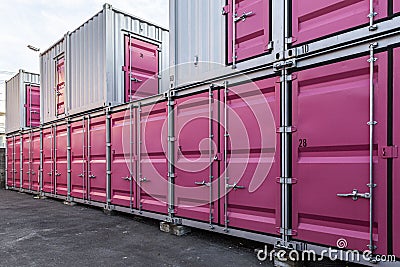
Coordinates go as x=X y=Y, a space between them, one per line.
x=88 y=165
x=69 y=158
x=6 y=165
x=52 y=160
x=130 y=70
x=55 y=159
x=371 y=124
x=13 y=164
x=21 y=162
x=41 y=163
x=234 y=15
x=285 y=137
x=30 y=161
x=211 y=132
x=171 y=155
x=108 y=158
x=139 y=158
x=226 y=175
x=83 y=158
x=130 y=151
x=371 y=16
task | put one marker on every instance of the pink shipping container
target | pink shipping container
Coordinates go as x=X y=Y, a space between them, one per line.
x=31 y=161
x=331 y=154
x=22 y=101
x=396 y=6
x=316 y=19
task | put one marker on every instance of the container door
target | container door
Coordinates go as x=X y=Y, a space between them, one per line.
x=10 y=162
x=48 y=161
x=249 y=34
x=78 y=159
x=396 y=161
x=331 y=154
x=123 y=189
x=96 y=156
x=18 y=161
x=196 y=192
x=61 y=160
x=60 y=86
x=141 y=69
x=315 y=19
x=35 y=169
x=249 y=188
x=152 y=167
x=26 y=160
x=32 y=106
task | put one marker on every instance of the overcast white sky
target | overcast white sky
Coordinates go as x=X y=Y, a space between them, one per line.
x=42 y=22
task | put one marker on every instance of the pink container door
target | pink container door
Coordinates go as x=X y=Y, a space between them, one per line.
x=32 y=106
x=252 y=28
x=35 y=169
x=60 y=87
x=396 y=6
x=10 y=162
x=249 y=196
x=315 y=19
x=78 y=159
x=48 y=161
x=331 y=154
x=396 y=161
x=61 y=170
x=194 y=158
x=17 y=161
x=123 y=191
x=153 y=168
x=141 y=69
x=26 y=160
x=96 y=156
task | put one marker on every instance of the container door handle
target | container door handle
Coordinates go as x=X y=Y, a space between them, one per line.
x=81 y=175
x=143 y=180
x=203 y=183
x=126 y=178
x=355 y=195
x=234 y=186
x=92 y=176
x=244 y=16
x=136 y=80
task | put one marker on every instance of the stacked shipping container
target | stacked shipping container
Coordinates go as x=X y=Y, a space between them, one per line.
x=315 y=108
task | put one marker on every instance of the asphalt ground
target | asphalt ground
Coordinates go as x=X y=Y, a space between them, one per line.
x=46 y=232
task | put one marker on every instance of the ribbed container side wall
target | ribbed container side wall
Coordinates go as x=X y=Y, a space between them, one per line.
x=96 y=57
x=48 y=81
x=16 y=99
x=198 y=30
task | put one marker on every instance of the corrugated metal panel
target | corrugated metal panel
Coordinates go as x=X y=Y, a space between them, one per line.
x=198 y=29
x=16 y=99
x=48 y=83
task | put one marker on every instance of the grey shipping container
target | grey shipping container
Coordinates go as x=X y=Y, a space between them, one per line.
x=94 y=66
x=213 y=38
x=22 y=101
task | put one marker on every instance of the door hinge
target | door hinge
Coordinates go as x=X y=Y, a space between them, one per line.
x=288 y=78
x=291 y=63
x=286 y=129
x=226 y=10
x=287 y=180
x=289 y=232
x=389 y=152
x=290 y=40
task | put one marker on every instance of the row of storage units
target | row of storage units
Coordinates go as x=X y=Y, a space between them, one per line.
x=280 y=132
x=227 y=155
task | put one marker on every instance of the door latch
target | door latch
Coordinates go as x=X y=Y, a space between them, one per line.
x=244 y=16
x=234 y=186
x=127 y=178
x=203 y=183
x=355 y=195
x=136 y=80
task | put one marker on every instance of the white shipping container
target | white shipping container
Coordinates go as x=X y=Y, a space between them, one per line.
x=22 y=101
x=88 y=68
x=212 y=38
